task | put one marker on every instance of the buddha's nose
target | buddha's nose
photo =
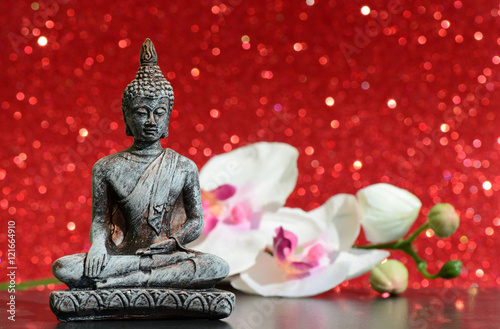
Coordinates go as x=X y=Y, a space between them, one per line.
x=151 y=119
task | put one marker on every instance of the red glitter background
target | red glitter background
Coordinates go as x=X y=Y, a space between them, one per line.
x=409 y=90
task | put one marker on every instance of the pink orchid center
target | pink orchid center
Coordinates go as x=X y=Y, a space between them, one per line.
x=240 y=213
x=224 y=192
x=215 y=208
x=284 y=247
x=210 y=219
x=210 y=223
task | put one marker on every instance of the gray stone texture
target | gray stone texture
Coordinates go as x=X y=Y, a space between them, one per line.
x=102 y=304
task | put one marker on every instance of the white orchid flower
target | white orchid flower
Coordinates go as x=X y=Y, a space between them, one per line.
x=388 y=212
x=311 y=251
x=238 y=187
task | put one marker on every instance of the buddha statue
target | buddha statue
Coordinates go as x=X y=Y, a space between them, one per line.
x=146 y=204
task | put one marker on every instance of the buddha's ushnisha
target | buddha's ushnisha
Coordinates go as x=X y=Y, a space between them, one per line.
x=146 y=203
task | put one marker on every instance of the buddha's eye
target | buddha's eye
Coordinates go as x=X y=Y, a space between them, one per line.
x=160 y=111
x=141 y=110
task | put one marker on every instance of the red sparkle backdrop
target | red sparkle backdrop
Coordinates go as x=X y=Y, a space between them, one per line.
x=399 y=92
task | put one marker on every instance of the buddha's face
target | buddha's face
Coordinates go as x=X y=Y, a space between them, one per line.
x=147 y=118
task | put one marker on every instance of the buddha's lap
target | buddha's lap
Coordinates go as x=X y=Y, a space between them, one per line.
x=118 y=265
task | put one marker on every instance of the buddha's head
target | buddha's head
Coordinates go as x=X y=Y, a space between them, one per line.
x=148 y=100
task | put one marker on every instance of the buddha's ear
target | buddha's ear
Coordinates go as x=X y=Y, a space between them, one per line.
x=128 y=132
x=126 y=103
x=165 y=132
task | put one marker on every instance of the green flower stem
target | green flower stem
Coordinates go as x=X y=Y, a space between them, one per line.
x=417 y=232
x=421 y=264
x=30 y=284
x=405 y=245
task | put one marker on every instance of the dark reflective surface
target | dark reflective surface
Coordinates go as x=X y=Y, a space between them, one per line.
x=425 y=308
x=188 y=324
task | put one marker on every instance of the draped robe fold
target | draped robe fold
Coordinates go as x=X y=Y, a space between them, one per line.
x=154 y=208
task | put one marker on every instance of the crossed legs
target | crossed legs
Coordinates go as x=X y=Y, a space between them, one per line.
x=178 y=270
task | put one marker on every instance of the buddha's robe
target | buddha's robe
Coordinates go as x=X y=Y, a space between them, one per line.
x=153 y=210
x=164 y=204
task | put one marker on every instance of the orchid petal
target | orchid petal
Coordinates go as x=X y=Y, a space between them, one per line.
x=264 y=173
x=388 y=212
x=339 y=214
x=239 y=247
x=315 y=253
x=266 y=278
x=362 y=260
x=304 y=266
x=343 y=212
x=239 y=213
x=295 y=220
x=238 y=284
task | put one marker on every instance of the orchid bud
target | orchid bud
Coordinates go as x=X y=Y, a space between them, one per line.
x=451 y=269
x=391 y=277
x=388 y=212
x=443 y=219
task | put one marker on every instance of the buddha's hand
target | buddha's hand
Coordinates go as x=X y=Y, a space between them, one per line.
x=162 y=247
x=97 y=258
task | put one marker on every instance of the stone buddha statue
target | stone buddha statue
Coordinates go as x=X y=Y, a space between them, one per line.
x=146 y=204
